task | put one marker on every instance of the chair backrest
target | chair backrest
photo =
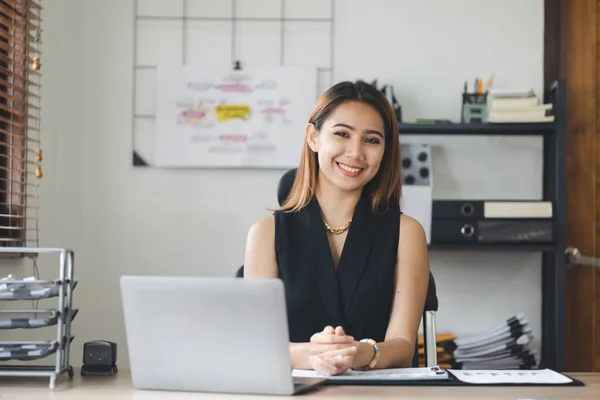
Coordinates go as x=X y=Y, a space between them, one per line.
x=285 y=185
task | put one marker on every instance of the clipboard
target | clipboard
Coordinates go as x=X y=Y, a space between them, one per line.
x=391 y=376
x=435 y=376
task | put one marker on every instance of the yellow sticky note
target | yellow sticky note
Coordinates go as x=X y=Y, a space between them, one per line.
x=226 y=112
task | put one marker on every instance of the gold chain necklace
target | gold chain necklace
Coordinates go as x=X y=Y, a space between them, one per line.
x=339 y=230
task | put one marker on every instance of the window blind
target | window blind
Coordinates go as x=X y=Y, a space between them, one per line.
x=20 y=106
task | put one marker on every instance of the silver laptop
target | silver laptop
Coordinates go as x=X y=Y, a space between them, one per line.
x=220 y=335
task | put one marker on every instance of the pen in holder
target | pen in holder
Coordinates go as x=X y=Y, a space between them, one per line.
x=474 y=108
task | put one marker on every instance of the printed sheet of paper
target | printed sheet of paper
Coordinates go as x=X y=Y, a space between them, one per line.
x=542 y=376
x=381 y=374
x=218 y=117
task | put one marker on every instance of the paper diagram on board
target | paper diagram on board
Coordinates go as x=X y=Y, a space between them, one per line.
x=216 y=117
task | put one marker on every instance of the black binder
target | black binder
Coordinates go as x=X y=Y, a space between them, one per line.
x=484 y=209
x=492 y=231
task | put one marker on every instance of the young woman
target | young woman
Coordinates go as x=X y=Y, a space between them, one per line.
x=355 y=269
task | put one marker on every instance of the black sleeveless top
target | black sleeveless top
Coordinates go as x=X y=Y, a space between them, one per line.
x=359 y=296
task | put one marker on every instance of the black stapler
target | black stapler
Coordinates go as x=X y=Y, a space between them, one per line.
x=99 y=358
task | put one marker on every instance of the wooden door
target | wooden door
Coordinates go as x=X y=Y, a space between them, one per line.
x=572 y=38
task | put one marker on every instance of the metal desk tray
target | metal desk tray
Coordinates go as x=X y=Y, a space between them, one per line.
x=17 y=289
x=30 y=319
x=27 y=350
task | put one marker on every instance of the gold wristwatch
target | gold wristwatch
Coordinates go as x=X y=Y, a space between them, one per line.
x=375 y=356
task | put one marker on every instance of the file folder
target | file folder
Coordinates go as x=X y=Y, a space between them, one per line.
x=436 y=376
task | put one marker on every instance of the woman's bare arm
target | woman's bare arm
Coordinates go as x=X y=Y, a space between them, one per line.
x=412 y=279
x=259 y=259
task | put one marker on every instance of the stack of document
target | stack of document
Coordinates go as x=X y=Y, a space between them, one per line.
x=517 y=106
x=507 y=346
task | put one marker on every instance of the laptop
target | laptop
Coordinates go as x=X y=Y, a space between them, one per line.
x=199 y=334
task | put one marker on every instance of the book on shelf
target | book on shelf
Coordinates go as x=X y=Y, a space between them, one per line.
x=517 y=106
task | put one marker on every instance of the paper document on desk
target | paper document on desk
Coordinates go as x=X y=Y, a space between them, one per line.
x=392 y=374
x=510 y=376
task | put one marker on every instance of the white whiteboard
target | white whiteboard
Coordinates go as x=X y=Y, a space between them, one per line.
x=218 y=117
x=208 y=33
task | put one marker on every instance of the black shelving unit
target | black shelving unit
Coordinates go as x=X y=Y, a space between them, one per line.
x=553 y=255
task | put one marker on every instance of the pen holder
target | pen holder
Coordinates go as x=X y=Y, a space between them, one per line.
x=474 y=108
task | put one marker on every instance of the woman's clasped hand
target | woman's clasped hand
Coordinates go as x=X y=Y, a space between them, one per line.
x=332 y=351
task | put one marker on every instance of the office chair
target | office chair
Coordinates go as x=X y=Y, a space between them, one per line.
x=431 y=301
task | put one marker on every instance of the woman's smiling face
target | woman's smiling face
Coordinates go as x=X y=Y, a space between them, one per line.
x=350 y=145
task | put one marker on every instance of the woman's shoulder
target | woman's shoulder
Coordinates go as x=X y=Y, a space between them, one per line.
x=410 y=226
x=409 y=221
x=263 y=227
x=412 y=234
x=261 y=233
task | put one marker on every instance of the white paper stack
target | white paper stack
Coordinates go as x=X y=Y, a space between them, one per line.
x=507 y=346
x=517 y=106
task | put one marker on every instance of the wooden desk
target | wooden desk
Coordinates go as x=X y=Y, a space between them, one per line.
x=119 y=388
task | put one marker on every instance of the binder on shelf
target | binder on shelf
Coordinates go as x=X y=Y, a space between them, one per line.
x=492 y=231
x=490 y=209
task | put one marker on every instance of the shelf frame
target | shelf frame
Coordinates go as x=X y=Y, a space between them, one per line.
x=521 y=129
x=554 y=261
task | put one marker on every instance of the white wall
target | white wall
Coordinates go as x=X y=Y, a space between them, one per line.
x=126 y=220
x=61 y=143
